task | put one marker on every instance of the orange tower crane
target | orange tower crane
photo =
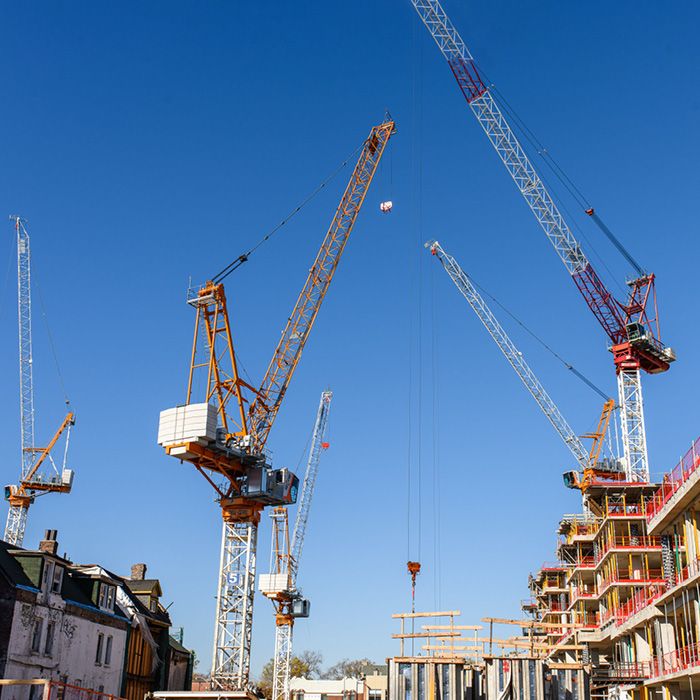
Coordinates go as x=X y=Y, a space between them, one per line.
x=224 y=431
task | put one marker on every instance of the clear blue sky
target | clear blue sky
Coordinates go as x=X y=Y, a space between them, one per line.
x=146 y=142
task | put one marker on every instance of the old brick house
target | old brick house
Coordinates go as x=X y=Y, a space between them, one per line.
x=58 y=623
x=84 y=626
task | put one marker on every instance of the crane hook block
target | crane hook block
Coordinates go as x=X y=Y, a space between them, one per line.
x=386 y=207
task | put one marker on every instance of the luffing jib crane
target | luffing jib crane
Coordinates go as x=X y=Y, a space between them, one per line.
x=280 y=586
x=34 y=479
x=588 y=460
x=223 y=432
x=632 y=330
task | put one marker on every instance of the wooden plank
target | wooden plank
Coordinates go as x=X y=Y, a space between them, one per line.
x=565 y=666
x=418 y=635
x=550 y=647
x=448 y=613
x=531 y=623
x=431 y=647
x=472 y=640
x=453 y=627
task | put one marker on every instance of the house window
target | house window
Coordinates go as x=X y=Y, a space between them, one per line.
x=108 y=650
x=48 y=644
x=36 y=634
x=98 y=652
x=106 y=601
x=154 y=604
x=57 y=579
x=47 y=575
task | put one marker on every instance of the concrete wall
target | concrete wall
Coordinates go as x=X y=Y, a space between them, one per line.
x=72 y=658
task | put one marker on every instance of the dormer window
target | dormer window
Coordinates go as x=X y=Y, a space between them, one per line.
x=47 y=576
x=57 y=581
x=154 y=604
x=106 y=599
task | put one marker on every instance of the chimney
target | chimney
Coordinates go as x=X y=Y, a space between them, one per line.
x=49 y=543
x=138 y=572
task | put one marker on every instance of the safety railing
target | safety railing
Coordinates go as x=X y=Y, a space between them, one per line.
x=636 y=578
x=674 y=479
x=639 y=601
x=45 y=689
x=620 y=509
x=64 y=691
x=634 y=542
x=675 y=661
x=628 y=670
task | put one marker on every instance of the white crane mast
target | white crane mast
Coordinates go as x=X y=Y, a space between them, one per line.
x=26 y=363
x=31 y=480
x=17 y=515
x=284 y=628
x=511 y=353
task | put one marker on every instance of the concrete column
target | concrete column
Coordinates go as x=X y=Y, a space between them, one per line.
x=642 y=646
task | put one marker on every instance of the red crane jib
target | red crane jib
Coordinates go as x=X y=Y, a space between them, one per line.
x=468 y=77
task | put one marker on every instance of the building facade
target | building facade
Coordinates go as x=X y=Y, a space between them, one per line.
x=626 y=589
x=85 y=627
x=57 y=623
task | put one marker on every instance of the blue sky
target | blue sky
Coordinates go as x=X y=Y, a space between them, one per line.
x=147 y=142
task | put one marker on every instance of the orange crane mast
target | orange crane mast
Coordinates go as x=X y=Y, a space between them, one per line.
x=224 y=435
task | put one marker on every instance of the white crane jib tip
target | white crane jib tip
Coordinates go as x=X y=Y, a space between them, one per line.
x=432 y=245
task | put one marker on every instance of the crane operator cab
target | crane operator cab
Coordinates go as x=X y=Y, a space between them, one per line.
x=273 y=487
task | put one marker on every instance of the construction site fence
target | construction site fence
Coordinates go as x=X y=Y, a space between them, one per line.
x=674 y=479
x=43 y=689
x=64 y=691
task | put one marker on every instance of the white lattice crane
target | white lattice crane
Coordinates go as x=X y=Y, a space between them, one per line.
x=34 y=478
x=280 y=586
x=588 y=460
x=633 y=331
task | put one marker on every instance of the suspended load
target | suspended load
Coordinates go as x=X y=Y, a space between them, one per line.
x=386 y=207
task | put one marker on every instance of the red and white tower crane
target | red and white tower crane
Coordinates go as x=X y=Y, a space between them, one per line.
x=34 y=479
x=631 y=326
x=280 y=586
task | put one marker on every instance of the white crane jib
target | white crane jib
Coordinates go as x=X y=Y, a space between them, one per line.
x=511 y=353
x=281 y=585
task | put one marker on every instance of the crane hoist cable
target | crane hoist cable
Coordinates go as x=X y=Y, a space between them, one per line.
x=237 y=262
x=564 y=178
x=547 y=347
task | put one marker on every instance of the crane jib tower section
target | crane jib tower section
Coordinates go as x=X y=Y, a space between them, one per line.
x=631 y=326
